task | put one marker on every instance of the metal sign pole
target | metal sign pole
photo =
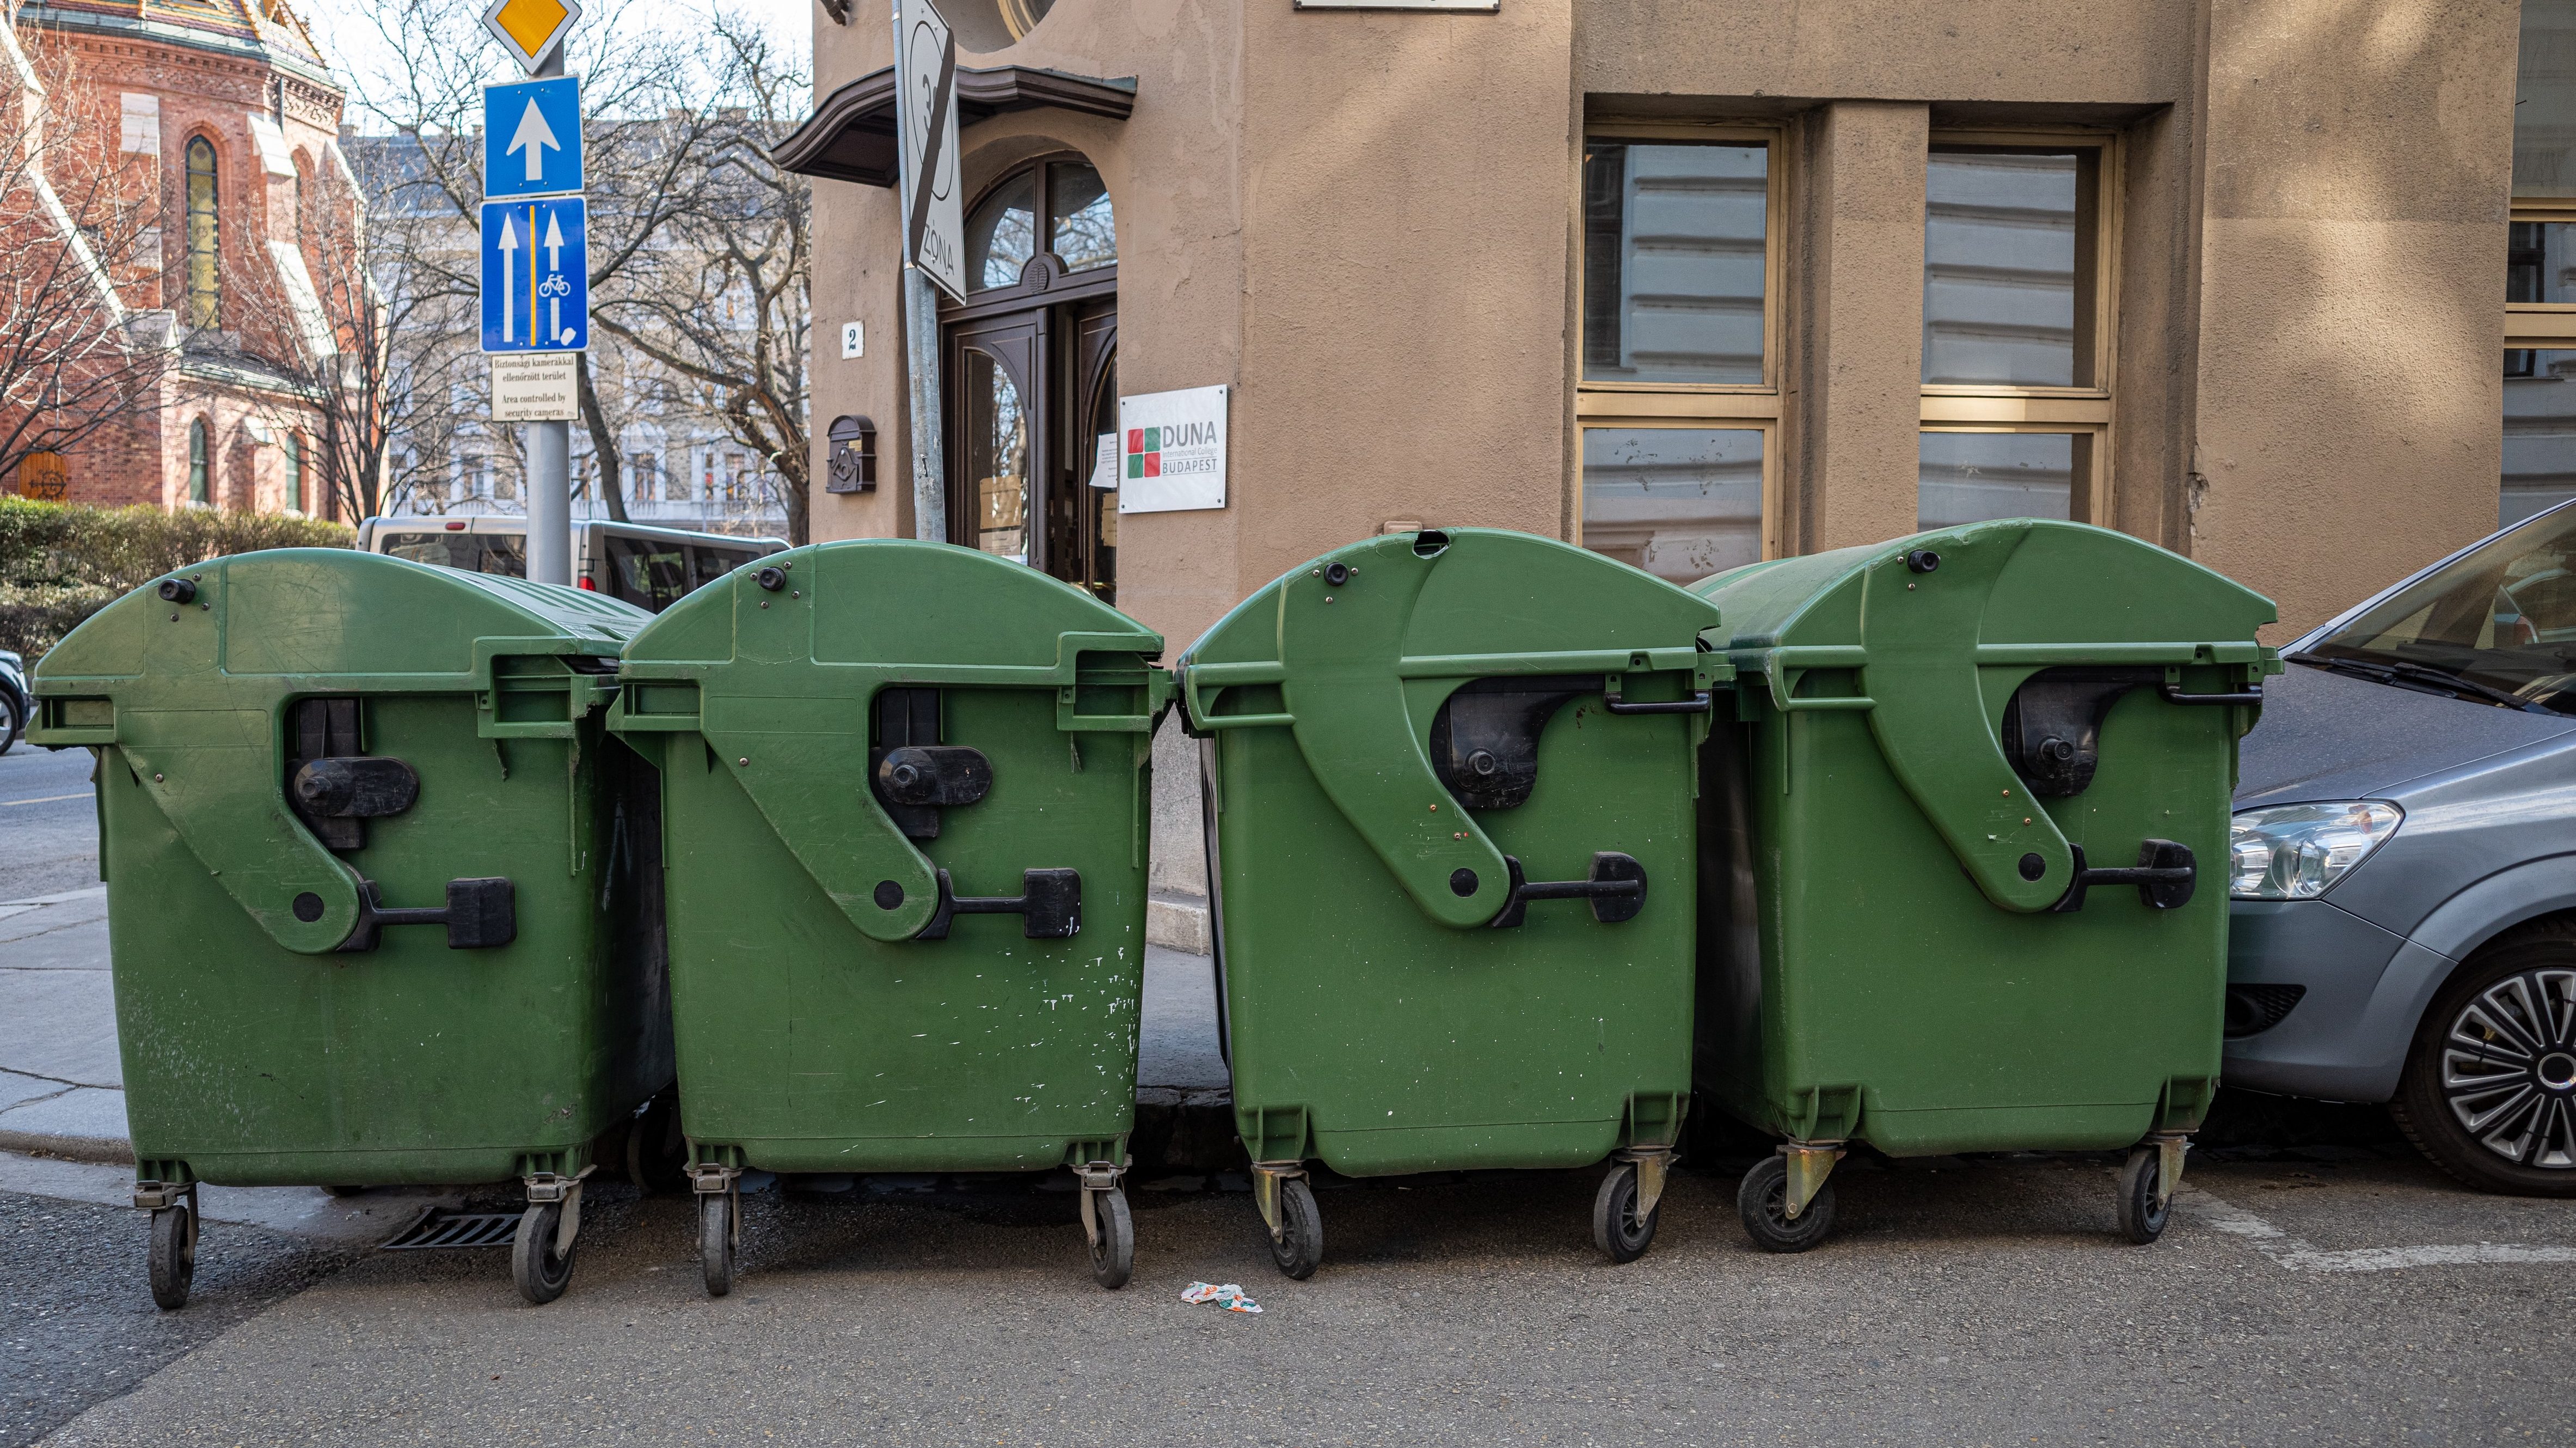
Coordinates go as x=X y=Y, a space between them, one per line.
x=920 y=329
x=549 y=463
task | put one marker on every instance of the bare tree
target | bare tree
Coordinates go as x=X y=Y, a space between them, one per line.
x=643 y=144
x=80 y=216
x=726 y=307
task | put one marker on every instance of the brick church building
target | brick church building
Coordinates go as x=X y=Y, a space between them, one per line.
x=227 y=118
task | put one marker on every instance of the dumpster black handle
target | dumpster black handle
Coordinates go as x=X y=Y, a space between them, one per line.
x=2174 y=695
x=1695 y=704
x=479 y=914
x=1049 y=906
x=2164 y=875
x=1617 y=890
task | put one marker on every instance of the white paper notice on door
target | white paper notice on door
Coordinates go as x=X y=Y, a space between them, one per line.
x=1104 y=461
x=1172 y=450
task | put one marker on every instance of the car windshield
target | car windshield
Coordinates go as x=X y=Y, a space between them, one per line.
x=2497 y=624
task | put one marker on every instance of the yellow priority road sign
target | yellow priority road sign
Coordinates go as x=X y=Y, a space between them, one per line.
x=531 y=29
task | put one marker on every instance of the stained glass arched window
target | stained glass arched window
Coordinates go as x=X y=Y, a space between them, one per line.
x=205 y=271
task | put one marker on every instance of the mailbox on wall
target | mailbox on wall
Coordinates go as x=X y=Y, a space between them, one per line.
x=853 y=466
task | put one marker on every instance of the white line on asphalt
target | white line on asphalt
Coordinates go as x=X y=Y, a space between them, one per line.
x=2289 y=1252
x=46 y=799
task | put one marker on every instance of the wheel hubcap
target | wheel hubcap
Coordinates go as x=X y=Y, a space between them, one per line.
x=2509 y=1068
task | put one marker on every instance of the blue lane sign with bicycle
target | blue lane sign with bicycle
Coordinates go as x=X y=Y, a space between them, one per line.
x=536 y=276
x=532 y=137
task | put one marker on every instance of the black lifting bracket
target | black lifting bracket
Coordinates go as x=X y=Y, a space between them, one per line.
x=1617 y=890
x=1049 y=905
x=1695 y=704
x=479 y=915
x=2164 y=875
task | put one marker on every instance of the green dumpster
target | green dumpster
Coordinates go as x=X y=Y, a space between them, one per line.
x=1450 y=832
x=366 y=844
x=1964 y=810
x=905 y=794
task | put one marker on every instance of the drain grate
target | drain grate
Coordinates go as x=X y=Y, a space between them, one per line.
x=456 y=1229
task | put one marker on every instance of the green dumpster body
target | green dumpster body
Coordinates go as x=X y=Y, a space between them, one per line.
x=820 y=1028
x=265 y=1041
x=1913 y=985
x=1376 y=1017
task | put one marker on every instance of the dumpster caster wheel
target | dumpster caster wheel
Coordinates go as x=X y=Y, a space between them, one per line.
x=1763 y=1202
x=1299 y=1247
x=541 y=1272
x=717 y=1212
x=344 y=1191
x=1617 y=1230
x=1113 y=1251
x=174 y=1256
x=2141 y=1220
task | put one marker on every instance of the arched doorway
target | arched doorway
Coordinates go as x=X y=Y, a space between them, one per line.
x=1030 y=364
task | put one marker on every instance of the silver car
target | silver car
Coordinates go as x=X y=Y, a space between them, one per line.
x=2403 y=864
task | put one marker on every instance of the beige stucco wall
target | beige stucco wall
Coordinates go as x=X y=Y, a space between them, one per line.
x=2068 y=51
x=2349 y=378
x=1364 y=222
x=1172 y=176
x=1855 y=364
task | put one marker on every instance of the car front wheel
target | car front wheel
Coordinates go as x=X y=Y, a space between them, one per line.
x=2490 y=1086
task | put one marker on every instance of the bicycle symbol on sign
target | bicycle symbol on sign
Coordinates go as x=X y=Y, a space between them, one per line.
x=554 y=289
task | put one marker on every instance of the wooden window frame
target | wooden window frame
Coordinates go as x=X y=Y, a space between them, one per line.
x=2540 y=326
x=1038 y=285
x=1695 y=406
x=2086 y=411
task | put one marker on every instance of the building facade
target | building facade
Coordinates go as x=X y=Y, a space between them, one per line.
x=1696 y=282
x=225 y=117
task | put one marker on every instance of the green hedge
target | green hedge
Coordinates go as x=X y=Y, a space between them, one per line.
x=62 y=562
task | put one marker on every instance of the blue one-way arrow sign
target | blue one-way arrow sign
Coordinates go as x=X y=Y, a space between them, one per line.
x=536 y=275
x=532 y=137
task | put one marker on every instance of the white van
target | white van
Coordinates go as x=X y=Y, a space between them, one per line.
x=649 y=567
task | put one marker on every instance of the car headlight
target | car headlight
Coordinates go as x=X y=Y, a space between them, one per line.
x=2298 y=851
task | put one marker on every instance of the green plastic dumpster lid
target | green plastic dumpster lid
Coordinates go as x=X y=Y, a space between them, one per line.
x=190 y=675
x=778 y=680
x=2014 y=592
x=1366 y=642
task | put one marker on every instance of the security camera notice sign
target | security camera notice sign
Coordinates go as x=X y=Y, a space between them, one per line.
x=1171 y=455
x=535 y=387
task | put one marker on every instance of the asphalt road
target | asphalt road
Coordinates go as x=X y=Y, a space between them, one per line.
x=2342 y=1295
x=73 y=1328
x=48 y=823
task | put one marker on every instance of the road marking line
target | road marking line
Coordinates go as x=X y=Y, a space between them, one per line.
x=2295 y=1255
x=46 y=799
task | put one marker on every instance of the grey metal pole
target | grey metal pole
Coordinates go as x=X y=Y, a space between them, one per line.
x=920 y=302
x=550 y=468
x=921 y=360
x=550 y=502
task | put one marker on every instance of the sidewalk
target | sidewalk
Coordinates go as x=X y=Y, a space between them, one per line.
x=62 y=1085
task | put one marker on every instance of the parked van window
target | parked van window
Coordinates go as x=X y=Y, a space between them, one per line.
x=472 y=552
